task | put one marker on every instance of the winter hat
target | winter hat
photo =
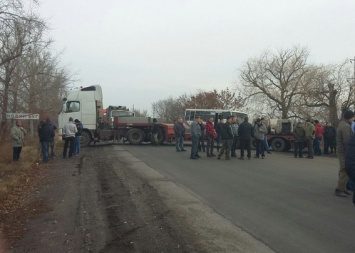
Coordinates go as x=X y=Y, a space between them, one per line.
x=348 y=114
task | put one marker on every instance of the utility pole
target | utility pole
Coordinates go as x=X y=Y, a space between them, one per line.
x=353 y=78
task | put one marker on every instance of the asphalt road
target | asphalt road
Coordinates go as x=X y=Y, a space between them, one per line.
x=286 y=203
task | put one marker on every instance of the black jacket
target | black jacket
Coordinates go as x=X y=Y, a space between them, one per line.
x=350 y=158
x=245 y=131
x=179 y=129
x=227 y=132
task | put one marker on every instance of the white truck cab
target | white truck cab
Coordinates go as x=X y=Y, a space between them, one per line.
x=84 y=104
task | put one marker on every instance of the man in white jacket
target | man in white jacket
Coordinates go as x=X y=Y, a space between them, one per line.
x=69 y=131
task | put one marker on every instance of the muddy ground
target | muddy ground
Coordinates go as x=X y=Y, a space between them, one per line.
x=107 y=200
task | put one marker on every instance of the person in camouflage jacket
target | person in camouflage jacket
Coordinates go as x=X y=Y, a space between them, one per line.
x=300 y=138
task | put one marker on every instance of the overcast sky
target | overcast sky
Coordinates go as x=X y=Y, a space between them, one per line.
x=144 y=51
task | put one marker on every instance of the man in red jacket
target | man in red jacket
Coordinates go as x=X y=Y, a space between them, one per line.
x=211 y=136
x=319 y=132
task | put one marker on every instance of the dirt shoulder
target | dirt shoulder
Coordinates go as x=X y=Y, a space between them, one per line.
x=107 y=200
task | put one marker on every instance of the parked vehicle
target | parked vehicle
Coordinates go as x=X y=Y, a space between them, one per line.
x=118 y=123
x=280 y=135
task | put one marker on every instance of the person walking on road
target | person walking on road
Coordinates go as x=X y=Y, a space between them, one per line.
x=179 y=131
x=300 y=137
x=79 y=127
x=246 y=133
x=211 y=136
x=310 y=135
x=69 y=131
x=17 y=137
x=227 y=139
x=344 y=134
x=195 y=137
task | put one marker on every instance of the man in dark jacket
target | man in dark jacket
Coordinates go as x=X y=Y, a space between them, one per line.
x=179 y=131
x=52 y=128
x=155 y=132
x=344 y=134
x=79 y=127
x=44 y=133
x=329 y=138
x=350 y=161
x=300 y=138
x=227 y=138
x=245 y=132
x=218 y=128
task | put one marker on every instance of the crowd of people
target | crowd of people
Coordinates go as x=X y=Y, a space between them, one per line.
x=227 y=135
x=71 y=136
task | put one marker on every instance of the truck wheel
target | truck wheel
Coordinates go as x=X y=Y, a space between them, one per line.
x=135 y=136
x=85 y=139
x=278 y=144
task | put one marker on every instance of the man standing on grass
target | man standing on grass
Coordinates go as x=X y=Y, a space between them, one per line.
x=17 y=137
x=44 y=133
x=52 y=129
x=69 y=131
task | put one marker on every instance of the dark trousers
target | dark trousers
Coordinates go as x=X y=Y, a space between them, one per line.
x=310 y=147
x=298 y=148
x=210 y=145
x=329 y=143
x=194 y=147
x=245 y=144
x=16 y=153
x=201 y=143
x=260 y=147
x=226 y=148
x=51 y=144
x=219 y=140
x=317 y=149
x=45 y=147
x=68 y=141
x=234 y=146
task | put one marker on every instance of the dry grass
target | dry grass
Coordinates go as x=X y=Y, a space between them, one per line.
x=17 y=181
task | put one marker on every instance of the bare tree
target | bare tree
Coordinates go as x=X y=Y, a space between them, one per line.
x=140 y=113
x=274 y=81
